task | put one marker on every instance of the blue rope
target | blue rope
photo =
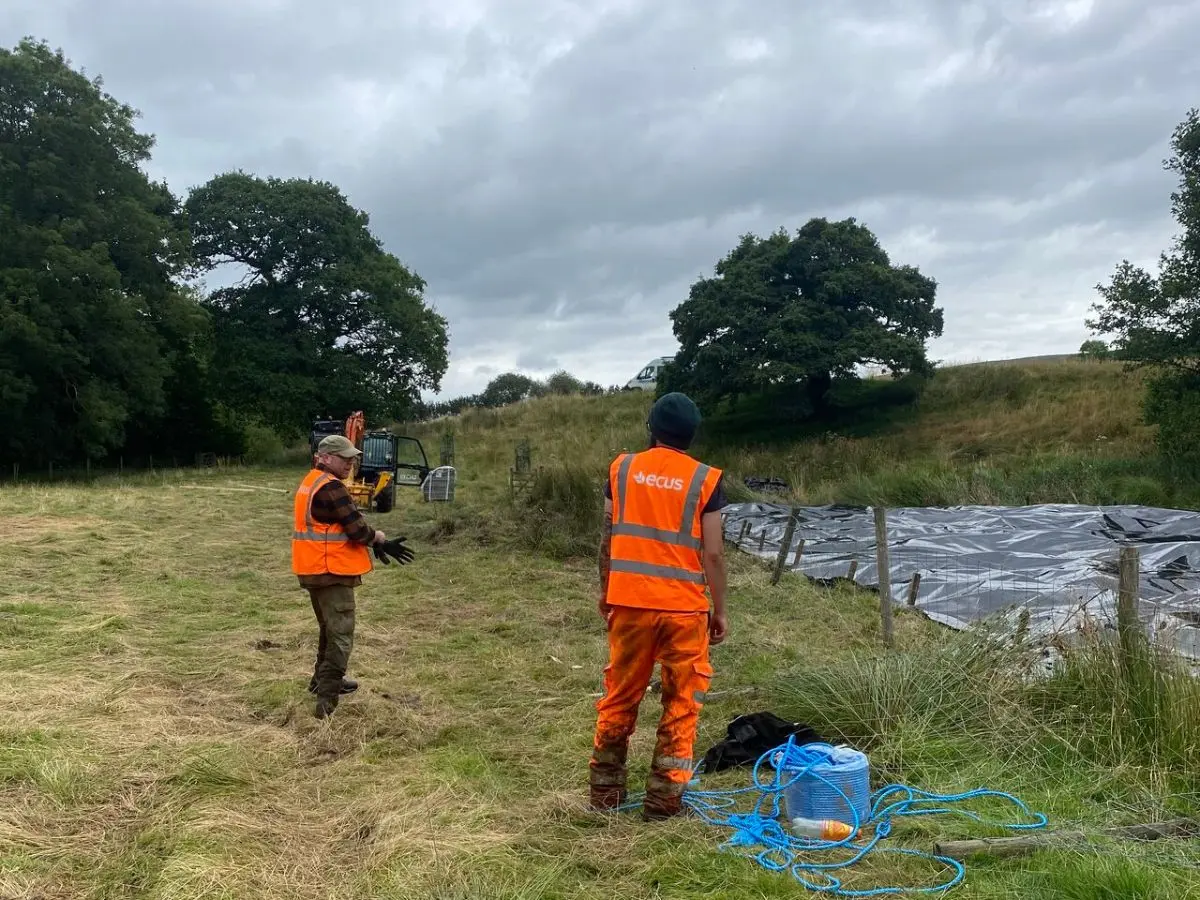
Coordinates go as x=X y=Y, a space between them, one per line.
x=782 y=850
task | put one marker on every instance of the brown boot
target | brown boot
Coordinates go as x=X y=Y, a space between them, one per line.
x=664 y=799
x=607 y=778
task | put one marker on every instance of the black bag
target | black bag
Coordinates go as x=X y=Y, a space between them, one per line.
x=752 y=735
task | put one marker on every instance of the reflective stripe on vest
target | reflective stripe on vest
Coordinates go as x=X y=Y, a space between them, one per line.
x=317 y=548
x=655 y=559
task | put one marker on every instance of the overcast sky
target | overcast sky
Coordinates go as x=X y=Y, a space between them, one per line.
x=560 y=172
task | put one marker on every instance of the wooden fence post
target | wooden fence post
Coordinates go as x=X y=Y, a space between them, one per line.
x=1128 y=625
x=785 y=545
x=913 y=587
x=885 y=578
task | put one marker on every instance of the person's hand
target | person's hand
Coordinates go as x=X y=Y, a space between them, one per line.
x=380 y=537
x=718 y=627
x=394 y=549
x=602 y=606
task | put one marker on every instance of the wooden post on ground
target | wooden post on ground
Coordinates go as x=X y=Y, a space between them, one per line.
x=745 y=530
x=885 y=577
x=799 y=553
x=1128 y=626
x=1013 y=846
x=785 y=545
x=853 y=569
x=762 y=539
x=913 y=587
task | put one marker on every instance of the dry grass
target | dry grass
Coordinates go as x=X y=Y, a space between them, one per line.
x=1060 y=431
x=161 y=742
x=158 y=741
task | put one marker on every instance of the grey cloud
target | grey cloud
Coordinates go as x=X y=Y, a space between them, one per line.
x=533 y=360
x=560 y=172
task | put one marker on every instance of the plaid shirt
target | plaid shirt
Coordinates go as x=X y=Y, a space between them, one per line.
x=332 y=505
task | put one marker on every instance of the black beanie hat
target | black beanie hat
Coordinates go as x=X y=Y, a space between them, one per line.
x=674 y=419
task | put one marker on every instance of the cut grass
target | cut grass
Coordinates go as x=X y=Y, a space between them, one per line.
x=163 y=743
x=160 y=741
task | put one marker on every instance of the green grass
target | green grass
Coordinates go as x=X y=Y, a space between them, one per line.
x=1007 y=434
x=158 y=741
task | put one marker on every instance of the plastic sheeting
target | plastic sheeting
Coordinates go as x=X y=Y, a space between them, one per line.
x=1057 y=561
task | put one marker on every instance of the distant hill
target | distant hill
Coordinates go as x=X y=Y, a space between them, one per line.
x=1041 y=429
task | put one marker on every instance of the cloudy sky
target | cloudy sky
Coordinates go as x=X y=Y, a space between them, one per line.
x=560 y=172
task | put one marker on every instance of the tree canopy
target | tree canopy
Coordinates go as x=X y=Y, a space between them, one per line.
x=1155 y=320
x=322 y=317
x=798 y=311
x=91 y=318
x=106 y=344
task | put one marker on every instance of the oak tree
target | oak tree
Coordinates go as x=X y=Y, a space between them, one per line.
x=791 y=313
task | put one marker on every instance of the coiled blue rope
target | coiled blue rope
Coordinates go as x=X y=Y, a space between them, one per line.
x=782 y=851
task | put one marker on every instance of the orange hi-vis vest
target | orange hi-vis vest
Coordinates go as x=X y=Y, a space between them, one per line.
x=658 y=497
x=317 y=548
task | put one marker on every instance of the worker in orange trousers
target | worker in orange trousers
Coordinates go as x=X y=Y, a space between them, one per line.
x=663 y=547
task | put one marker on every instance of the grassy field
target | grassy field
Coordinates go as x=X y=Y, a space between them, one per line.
x=158 y=742
x=1060 y=431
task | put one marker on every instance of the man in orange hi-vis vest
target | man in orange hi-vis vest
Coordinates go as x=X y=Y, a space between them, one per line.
x=663 y=545
x=330 y=540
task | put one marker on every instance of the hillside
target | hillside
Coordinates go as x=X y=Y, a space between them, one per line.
x=993 y=433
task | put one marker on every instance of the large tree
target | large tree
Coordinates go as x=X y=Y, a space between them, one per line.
x=91 y=319
x=1155 y=321
x=795 y=312
x=321 y=317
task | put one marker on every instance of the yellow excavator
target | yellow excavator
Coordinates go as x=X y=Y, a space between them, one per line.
x=373 y=478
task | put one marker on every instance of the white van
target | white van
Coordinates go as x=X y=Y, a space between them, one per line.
x=646 y=379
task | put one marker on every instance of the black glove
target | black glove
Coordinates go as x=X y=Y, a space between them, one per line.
x=396 y=550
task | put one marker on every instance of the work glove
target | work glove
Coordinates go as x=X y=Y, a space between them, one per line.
x=396 y=550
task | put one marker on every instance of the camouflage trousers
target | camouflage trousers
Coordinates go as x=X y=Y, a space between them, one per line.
x=334 y=609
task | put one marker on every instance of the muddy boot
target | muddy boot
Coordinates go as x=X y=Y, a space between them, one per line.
x=349 y=685
x=664 y=799
x=325 y=707
x=607 y=778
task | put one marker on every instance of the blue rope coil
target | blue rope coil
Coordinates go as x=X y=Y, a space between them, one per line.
x=783 y=851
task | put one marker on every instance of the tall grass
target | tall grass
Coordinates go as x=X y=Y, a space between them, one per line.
x=1005 y=434
x=561 y=513
x=964 y=712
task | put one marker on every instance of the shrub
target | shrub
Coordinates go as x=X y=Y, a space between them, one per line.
x=561 y=513
x=263 y=445
x=1173 y=404
x=563 y=382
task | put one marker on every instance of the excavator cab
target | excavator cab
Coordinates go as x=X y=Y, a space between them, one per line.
x=387 y=460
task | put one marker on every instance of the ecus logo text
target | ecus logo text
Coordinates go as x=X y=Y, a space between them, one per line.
x=658 y=481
